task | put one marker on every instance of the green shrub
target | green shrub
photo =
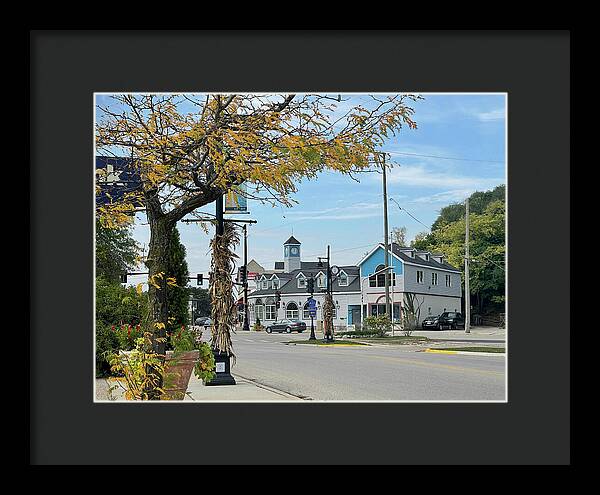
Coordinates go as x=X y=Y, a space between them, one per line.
x=378 y=325
x=106 y=343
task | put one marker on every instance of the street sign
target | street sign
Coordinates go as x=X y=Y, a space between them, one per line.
x=312 y=307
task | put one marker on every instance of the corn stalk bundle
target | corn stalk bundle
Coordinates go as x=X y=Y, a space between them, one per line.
x=328 y=315
x=223 y=308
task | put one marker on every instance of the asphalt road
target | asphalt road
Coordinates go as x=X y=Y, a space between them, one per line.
x=366 y=373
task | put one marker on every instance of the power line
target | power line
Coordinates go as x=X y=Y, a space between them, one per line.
x=409 y=214
x=443 y=157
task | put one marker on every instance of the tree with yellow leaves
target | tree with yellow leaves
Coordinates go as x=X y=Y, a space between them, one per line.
x=191 y=149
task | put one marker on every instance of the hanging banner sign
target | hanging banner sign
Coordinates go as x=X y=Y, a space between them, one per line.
x=235 y=201
x=117 y=179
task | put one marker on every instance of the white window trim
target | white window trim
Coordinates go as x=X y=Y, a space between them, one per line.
x=434 y=278
x=422 y=276
x=274 y=312
x=339 y=279
x=318 y=278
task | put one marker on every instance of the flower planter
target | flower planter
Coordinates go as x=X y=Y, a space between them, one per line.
x=178 y=370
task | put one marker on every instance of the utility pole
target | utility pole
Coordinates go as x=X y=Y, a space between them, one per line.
x=391 y=271
x=387 y=258
x=246 y=325
x=467 y=290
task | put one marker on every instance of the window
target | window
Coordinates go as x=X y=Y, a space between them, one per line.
x=321 y=280
x=291 y=311
x=434 y=279
x=419 y=276
x=270 y=313
x=379 y=279
x=265 y=284
x=275 y=283
x=305 y=312
x=343 y=279
x=302 y=282
x=260 y=312
x=448 y=281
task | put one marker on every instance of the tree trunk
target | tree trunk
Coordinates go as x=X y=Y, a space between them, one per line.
x=157 y=262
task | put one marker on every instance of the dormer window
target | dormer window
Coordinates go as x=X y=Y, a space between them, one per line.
x=343 y=279
x=301 y=282
x=265 y=284
x=321 y=280
x=275 y=283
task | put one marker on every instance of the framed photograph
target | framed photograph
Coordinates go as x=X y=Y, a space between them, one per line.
x=348 y=253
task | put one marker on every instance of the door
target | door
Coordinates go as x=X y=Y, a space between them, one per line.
x=356 y=316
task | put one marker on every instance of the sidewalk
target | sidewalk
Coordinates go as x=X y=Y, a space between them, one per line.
x=244 y=390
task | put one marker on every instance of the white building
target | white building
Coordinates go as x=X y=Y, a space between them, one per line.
x=357 y=292
x=291 y=285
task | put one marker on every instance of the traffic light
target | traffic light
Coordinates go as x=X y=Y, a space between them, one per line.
x=199 y=278
x=278 y=296
x=242 y=273
x=310 y=285
x=123 y=278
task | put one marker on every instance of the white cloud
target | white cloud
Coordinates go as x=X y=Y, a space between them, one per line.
x=446 y=197
x=497 y=114
x=418 y=175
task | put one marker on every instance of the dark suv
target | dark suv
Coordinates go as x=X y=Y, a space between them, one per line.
x=451 y=320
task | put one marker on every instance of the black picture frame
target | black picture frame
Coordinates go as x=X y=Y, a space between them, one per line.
x=67 y=67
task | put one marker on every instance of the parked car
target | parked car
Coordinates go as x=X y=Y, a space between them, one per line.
x=286 y=326
x=431 y=322
x=203 y=321
x=451 y=320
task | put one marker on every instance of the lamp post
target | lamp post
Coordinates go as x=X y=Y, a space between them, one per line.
x=327 y=321
x=311 y=289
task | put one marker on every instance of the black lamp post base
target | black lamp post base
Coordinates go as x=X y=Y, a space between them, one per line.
x=223 y=370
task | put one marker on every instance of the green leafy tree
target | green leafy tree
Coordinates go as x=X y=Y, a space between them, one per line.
x=478 y=202
x=116 y=251
x=178 y=294
x=487 y=246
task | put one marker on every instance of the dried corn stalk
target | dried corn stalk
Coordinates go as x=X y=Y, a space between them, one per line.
x=328 y=307
x=223 y=308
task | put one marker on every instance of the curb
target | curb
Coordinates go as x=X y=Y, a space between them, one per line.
x=466 y=353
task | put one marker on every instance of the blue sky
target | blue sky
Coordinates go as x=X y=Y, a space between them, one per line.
x=458 y=148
